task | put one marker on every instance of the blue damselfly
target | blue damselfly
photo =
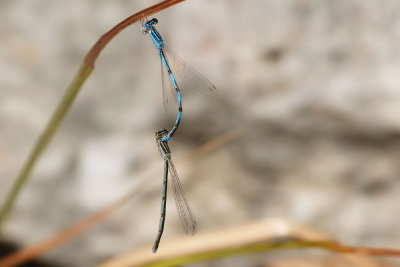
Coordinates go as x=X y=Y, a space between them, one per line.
x=178 y=72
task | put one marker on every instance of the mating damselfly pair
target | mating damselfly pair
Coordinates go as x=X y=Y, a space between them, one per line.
x=176 y=75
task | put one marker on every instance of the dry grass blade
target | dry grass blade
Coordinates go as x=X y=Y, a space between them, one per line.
x=249 y=238
x=215 y=244
x=31 y=252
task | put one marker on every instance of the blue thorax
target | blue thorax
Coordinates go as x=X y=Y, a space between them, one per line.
x=154 y=34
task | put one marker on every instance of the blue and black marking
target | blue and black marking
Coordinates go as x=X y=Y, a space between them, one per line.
x=184 y=211
x=159 y=43
x=166 y=155
x=163 y=208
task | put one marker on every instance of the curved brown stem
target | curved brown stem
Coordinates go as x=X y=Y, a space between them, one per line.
x=106 y=38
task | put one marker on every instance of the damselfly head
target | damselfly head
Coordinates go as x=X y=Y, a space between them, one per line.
x=147 y=25
x=160 y=134
x=150 y=23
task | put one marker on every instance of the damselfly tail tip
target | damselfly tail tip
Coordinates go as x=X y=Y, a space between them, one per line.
x=155 y=247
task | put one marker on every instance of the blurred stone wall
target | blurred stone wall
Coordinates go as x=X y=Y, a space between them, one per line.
x=312 y=85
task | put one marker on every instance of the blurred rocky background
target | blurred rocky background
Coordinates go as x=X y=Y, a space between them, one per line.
x=313 y=85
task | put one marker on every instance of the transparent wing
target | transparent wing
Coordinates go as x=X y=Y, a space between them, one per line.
x=187 y=78
x=184 y=212
x=167 y=85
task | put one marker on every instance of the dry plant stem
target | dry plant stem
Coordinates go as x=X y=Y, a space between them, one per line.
x=68 y=98
x=24 y=255
x=262 y=236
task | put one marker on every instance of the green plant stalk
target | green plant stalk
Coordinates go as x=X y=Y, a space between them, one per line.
x=83 y=73
x=45 y=137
